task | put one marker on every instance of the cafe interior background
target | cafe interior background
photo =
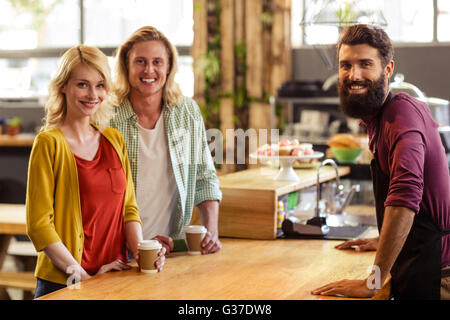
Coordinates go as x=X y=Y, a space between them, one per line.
x=259 y=64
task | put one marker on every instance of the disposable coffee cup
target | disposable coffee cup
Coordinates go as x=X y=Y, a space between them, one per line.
x=194 y=238
x=148 y=254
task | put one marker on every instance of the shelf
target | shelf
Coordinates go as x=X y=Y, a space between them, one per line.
x=20 y=140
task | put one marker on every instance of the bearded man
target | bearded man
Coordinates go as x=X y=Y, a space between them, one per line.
x=409 y=171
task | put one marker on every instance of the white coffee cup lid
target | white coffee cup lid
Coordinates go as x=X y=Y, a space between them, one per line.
x=149 y=244
x=195 y=229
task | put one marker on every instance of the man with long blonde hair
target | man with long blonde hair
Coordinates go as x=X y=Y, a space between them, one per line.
x=171 y=164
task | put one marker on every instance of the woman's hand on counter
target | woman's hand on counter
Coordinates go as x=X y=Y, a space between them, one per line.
x=117 y=265
x=365 y=244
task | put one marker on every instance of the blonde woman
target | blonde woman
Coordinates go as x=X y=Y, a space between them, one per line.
x=166 y=141
x=81 y=208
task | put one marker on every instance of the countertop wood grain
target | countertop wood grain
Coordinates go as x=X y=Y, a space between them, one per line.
x=243 y=270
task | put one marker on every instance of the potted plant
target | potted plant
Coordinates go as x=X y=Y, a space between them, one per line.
x=13 y=126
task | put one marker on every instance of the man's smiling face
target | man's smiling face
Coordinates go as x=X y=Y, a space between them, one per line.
x=363 y=81
x=148 y=68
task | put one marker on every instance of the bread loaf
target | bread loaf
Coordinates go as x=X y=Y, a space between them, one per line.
x=343 y=140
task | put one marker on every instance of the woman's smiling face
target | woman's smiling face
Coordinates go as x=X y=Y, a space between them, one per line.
x=84 y=91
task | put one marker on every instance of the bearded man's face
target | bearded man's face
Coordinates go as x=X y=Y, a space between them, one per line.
x=362 y=81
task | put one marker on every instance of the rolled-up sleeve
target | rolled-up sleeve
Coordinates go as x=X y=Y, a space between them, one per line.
x=207 y=183
x=405 y=146
x=406 y=161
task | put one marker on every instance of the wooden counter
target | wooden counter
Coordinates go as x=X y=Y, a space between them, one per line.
x=13 y=222
x=20 y=140
x=12 y=219
x=249 y=199
x=242 y=270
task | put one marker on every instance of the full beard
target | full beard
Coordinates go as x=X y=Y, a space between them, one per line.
x=362 y=105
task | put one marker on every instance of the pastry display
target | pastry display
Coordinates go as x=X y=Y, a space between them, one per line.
x=302 y=149
x=268 y=150
x=286 y=148
x=288 y=154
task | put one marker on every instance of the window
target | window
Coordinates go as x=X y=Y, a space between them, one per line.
x=26 y=78
x=443 y=20
x=110 y=22
x=38 y=24
x=410 y=21
x=33 y=35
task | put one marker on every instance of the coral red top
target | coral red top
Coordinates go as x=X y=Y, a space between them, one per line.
x=102 y=184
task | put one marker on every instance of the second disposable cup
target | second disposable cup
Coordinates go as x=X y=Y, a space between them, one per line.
x=148 y=254
x=194 y=238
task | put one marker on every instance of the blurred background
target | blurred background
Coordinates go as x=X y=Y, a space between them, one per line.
x=249 y=64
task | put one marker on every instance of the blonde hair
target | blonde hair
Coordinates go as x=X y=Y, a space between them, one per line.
x=56 y=105
x=172 y=94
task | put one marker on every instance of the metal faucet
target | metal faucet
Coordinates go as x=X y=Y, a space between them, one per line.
x=317 y=225
x=343 y=197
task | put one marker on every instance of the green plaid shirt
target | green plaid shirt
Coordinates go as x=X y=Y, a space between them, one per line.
x=192 y=164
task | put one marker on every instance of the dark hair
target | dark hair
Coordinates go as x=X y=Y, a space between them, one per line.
x=368 y=34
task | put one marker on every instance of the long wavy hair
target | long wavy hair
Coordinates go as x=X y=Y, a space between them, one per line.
x=172 y=94
x=56 y=105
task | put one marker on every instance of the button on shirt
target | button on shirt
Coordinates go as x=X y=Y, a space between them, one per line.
x=190 y=158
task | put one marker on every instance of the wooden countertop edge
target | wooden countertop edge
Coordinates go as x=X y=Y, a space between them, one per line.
x=288 y=187
x=13 y=228
x=13 y=218
x=16 y=141
x=385 y=291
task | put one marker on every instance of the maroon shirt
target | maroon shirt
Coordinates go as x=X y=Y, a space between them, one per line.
x=411 y=154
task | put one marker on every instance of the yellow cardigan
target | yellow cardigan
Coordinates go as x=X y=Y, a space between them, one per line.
x=53 y=198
